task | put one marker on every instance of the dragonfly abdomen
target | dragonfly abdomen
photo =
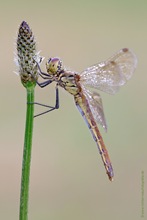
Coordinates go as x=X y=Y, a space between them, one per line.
x=83 y=107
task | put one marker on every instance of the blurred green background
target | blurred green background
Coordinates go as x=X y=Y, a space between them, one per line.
x=68 y=180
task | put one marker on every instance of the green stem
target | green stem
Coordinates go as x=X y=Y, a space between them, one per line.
x=24 y=196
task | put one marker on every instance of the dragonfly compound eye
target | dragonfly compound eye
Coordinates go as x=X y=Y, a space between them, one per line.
x=54 y=65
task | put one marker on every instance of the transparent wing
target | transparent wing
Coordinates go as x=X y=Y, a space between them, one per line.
x=96 y=106
x=109 y=75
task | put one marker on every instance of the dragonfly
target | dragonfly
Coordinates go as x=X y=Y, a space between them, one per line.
x=107 y=76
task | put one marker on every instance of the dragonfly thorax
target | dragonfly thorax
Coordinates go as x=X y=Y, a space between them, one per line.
x=54 y=66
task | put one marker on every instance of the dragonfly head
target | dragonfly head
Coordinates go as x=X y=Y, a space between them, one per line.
x=54 y=65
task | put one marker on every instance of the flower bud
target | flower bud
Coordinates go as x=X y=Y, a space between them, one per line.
x=27 y=55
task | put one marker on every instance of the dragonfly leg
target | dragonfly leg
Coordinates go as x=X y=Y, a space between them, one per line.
x=51 y=108
x=44 y=76
x=43 y=84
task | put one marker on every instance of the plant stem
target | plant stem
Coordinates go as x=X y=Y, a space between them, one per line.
x=24 y=196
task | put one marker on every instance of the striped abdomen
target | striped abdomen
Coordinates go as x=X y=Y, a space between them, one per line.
x=83 y=107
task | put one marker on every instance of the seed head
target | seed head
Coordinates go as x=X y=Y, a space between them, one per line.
x=27 y=54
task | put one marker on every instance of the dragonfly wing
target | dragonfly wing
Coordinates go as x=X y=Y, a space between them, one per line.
x=109 y=75
x=96 y=106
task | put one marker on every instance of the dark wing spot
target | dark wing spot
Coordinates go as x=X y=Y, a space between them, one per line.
x=113 y=63
x=125 y=50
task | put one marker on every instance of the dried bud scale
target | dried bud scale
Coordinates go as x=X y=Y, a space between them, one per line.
x=27 y=54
